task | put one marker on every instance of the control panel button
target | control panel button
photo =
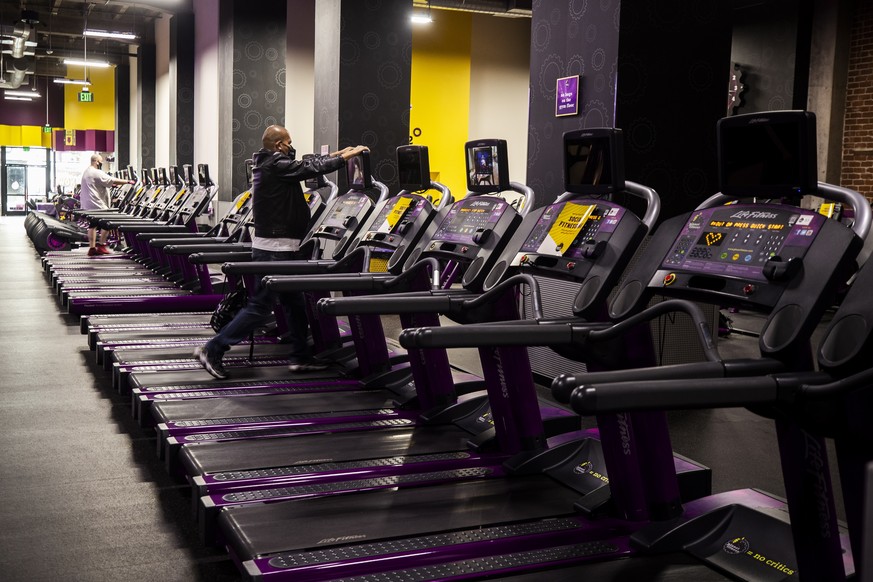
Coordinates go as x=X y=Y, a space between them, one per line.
x=669 y=279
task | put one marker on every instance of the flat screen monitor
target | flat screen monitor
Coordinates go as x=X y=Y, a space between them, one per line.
x=358 y=171
x=413 y=168
x=203 y=175
x=593 y=161
x=249 y=165
x=487 y=167
x=188 y=175
x=770 y=154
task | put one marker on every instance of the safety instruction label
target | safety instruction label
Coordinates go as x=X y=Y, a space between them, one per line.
x=566 y=227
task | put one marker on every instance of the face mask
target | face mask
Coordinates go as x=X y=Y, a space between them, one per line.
x=292 y=153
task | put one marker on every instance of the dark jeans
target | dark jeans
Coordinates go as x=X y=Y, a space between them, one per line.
x=258 y=312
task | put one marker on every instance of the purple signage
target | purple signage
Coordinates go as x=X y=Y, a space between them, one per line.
x=567 y=96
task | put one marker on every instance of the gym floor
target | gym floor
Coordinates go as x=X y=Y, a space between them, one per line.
x=84 y=496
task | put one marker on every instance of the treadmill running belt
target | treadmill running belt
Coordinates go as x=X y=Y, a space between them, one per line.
x=236 y=375
x=236 y=456
x=270 y=528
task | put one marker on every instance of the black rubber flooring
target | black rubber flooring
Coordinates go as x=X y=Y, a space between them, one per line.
x=83 y=496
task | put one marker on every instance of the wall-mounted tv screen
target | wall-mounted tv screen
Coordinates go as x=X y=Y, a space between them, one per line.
x=593 y=161
x=487 y=166
x=769 y=154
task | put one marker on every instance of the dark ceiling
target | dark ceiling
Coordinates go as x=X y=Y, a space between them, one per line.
x=59 y=25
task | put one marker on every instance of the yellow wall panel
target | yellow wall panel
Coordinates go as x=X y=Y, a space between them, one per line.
x=440 y=94
x=98 y=114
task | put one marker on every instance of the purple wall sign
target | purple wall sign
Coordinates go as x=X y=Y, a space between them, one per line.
x=567 y=96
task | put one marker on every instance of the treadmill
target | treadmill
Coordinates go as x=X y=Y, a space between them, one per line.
x=530 y=520
x=448 y=443
x=238 y=223
x=353 y=207
x=275 y=402
x=386 y=236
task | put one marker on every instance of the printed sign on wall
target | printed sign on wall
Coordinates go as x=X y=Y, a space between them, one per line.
x=567 y=96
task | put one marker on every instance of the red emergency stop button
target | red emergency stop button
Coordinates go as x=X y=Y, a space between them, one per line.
x=669 y=279
x=749 y=289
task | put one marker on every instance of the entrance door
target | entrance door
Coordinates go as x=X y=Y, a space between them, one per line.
x=15 y=182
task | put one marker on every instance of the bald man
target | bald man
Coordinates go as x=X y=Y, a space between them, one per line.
x=95 y=196
x=281 y=223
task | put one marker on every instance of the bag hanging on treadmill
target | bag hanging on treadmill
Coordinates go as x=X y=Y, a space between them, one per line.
x=227 y=308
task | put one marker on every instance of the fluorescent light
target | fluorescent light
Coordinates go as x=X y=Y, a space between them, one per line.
x=110 y=34
x=83 y=63
x=8 y=98
x=73 y=81
x=421 y=19
x=22 y=93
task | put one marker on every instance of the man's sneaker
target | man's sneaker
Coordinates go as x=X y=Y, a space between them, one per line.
x=212 y=364
x=103 y=250
x=93 y=252
x=307 y=366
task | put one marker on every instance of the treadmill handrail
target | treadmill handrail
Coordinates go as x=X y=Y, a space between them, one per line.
x=691 y=393
x=564 y=384
x=539 y=333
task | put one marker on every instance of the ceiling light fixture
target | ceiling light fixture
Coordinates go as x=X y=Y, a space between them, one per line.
x=11 y=98
x=22 y=93
x=84 y=82
x=421 y=17
x=110 y=34
x=84 y=63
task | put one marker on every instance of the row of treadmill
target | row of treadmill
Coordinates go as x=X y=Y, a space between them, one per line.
x=395 y=465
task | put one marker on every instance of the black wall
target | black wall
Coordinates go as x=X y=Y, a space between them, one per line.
x=122 y=116
x=568 y=38
x=674 y=65
x=258 y=78
x=370 y=88
x=182 y=89
x=146 y=85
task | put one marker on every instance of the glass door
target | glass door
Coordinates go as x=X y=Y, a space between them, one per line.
x=15 y=180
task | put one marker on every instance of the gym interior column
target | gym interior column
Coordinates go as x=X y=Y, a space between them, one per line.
x=568 y=39
x=251 y=82
x=673 y=69
x=664 y=84
x=146 y=99
x=182 y=89
x=122 y=116
x=362 y=74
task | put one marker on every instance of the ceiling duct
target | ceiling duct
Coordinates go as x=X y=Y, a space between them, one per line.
x=19 y=63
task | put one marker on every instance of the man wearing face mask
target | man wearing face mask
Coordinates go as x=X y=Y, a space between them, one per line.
x=281 y=222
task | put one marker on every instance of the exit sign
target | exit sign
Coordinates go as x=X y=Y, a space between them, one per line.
x=86 y=97
x=46 y=128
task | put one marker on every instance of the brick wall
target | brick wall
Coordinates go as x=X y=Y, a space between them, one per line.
x=857 y=167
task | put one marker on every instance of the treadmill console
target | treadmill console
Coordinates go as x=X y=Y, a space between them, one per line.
x=347 y=212
x=473 y=232
x=568 y=232
x=398 y=216
x=745 y=251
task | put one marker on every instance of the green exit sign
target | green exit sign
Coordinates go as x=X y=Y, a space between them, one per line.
x=86 y=97
x=46 y=128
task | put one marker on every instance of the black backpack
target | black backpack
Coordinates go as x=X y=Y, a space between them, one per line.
x=227 y=308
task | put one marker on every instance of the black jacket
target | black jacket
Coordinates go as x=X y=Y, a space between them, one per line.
x=279 y=206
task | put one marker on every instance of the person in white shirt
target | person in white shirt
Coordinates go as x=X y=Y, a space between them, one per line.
x=95 y=196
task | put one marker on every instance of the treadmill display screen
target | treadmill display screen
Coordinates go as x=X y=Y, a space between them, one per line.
x=566 y=227
x=772 y=154
x=469 y=216
x=487 y=169
x=346 y=206
x=402 y=208
x=737 y=240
